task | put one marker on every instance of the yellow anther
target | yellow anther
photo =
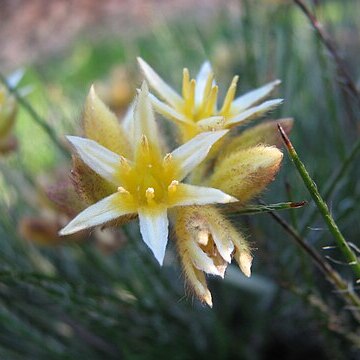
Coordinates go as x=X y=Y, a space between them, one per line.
x=172 y=187
x=122 y=190
x=124 y=164
x=167 y=158
x=150 y=194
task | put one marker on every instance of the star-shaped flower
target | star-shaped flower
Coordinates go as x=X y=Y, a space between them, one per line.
x=148 y=182
x=196 y=110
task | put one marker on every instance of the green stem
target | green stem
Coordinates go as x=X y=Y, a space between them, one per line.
x=334 y=180
x=36 y=117
x=239 y=209
x=344 y=247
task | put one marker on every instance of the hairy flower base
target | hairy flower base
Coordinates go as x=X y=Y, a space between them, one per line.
x=245 y=173
x=207 y=242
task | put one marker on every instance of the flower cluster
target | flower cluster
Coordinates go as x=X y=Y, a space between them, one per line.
x=123 y=170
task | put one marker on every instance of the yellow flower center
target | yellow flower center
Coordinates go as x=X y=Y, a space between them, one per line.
x=207 y=106
x=150 y=180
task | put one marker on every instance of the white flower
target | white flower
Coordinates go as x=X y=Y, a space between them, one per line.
x=149 y=182
x=196 y=110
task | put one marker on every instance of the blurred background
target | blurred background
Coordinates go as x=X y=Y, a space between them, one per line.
x=102 y=296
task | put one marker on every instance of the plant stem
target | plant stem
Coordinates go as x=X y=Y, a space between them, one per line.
x=36 y=117
x=333 y=181
x=344 y=247
x=239 y=209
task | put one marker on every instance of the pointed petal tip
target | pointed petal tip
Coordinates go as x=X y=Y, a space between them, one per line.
x=154 y=231
x=72 y=139
x=208 y=299
x=93 y=96
x=206 y=65
x=245 y=262
x=275 y=102
x=66 y=231
x=140 y=60
x=62 y=232
x=160 y=260
x=92 y=89
x=230 y=198
x=144 y=87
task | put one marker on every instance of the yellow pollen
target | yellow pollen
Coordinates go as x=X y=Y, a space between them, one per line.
x=124 y=164
x=167 y=158
x=172 y=187
x=150 y=194
x=122 y=190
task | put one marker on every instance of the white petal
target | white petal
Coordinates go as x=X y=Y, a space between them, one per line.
x=103 y=161
x=223 y=243
x=254 y=112
x=192 y=153
x=128 y=123
x=159 y=85
x=144 y=120
x=245 y=101
x=201 y=261
x=154 y=228
x=168 y=111
x=99 y=213
x=200 y=195
x=211 y=123
x=201 y=80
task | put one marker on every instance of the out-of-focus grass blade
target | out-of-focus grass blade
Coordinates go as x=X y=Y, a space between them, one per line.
x=14 y=78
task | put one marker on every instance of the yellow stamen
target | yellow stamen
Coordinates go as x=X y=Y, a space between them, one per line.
x=209 y=105
x=124 y=164
x=229 y=96
x=208 y=86
x=167 y=158
x=186 y=83
x=150 y=195
x=172 y=187
x=191 y=101
x=122 y=190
